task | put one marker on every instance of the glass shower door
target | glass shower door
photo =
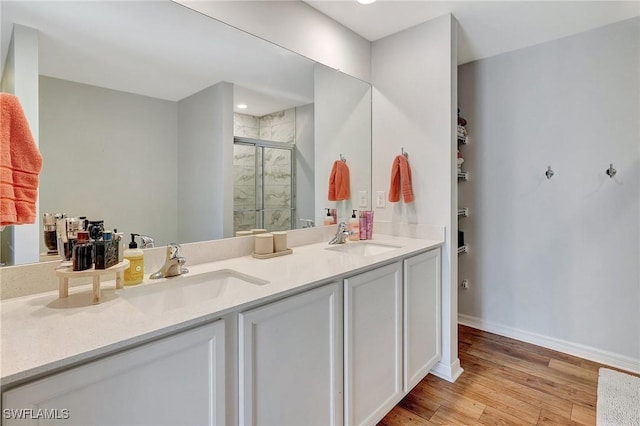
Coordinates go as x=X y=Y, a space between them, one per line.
x=263 y=185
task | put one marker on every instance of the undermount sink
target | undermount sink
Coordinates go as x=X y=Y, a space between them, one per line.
x=364 y=248
x=186 y=290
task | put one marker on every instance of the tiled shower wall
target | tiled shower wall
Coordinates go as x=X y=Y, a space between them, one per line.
x=278 y=127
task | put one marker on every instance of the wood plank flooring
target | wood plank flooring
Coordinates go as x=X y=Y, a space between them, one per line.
x=505 y=382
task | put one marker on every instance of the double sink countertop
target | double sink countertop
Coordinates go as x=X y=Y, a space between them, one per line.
x=42 y=333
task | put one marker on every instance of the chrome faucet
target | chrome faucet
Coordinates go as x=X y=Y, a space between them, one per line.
x=147 y=241
x=307 y=223
x=341 y=235
x=173 y=264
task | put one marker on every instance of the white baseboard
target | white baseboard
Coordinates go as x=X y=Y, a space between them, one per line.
x=450 y=373
x=587 y=352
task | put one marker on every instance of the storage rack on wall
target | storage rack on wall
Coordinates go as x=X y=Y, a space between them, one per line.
x=463 y=139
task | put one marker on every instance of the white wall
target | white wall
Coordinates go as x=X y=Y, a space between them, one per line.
x=342 y=126
x=295 y=26
x=109 y=155
x=19 y=244
x=305 y=164
x=414 y=87
x=556 y=261
x=205 y=164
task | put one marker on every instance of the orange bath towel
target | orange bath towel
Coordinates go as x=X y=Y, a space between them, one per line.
x=400 y=172
x=339 y=186
x=20 y=164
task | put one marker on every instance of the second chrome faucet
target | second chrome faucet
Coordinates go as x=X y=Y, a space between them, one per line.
x=173 y=264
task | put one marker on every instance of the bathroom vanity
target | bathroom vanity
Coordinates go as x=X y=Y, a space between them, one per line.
x=323 y=336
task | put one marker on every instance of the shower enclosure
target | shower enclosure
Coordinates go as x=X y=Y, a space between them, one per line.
x=264 y=182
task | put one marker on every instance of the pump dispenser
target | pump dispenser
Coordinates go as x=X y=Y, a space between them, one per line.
x=354 y=227
x=328 y=219
x=134 y=274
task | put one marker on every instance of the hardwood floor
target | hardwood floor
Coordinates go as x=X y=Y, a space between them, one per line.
x=505 y=382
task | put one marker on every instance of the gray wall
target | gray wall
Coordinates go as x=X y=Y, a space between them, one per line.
x=414 y=90
x=342 y=110
x=205 y=164
x=109 y=155
x=305 y=165
x=559 y=258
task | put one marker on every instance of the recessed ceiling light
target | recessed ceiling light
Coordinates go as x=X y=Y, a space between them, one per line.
x=366 y=1
x=242 y=106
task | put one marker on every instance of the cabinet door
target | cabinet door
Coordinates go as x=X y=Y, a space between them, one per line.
x=291 y=361
x=421 y=316
x=177 y=380
x=373 y=344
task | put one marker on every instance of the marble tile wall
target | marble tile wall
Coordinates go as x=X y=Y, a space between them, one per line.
x=279 y=127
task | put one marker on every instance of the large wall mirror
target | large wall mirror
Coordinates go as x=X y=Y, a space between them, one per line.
x=165 y=122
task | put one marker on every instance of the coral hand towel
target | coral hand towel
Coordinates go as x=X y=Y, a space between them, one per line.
x=339 y=186
x=400 y=180
x=20 y=164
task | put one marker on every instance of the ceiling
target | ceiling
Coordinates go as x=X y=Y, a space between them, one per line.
x=486 y=28
x=155 y=48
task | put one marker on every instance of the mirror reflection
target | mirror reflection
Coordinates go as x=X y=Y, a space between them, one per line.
x=164 y=122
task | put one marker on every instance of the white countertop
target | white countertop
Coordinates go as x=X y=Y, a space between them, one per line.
x=41 y=333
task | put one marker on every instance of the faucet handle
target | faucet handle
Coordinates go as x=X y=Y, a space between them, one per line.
x=174 y=251
x=342 y=227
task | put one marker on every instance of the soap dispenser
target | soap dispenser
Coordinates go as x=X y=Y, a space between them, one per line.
x=354 y=227
x=134 y=274
x=328 y=219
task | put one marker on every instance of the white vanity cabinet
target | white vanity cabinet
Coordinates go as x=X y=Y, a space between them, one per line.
x=177 y=380
x=290 y=366
x=373 y=344
x=422 y=340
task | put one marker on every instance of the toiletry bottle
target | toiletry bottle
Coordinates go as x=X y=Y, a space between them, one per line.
x=134 y=274
x=354 y=227
x=82 y=252
x=328 y=219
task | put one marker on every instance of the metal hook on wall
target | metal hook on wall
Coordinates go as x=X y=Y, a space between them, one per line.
x=405 y=153
x=343 y=158
x=549 y=173
x=611 y=172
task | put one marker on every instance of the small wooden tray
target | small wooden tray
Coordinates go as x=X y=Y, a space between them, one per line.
x=65 y=273
x=270 y=255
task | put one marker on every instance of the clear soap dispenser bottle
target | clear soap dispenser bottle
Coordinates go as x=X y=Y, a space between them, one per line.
x=328 y=219
x=354 y=227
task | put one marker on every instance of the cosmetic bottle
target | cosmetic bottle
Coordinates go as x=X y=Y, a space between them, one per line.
x=106 y=251
x=82 y=256
x=328 y=219
x=354 y=227
x=363 y=226
x=134 y=274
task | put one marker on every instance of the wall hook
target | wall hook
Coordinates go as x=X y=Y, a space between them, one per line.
x=611 y=172
x=405 y=153
x=549 y=173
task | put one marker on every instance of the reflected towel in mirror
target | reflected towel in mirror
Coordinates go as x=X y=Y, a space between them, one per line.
x=339 y=186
